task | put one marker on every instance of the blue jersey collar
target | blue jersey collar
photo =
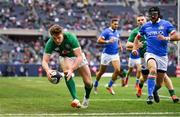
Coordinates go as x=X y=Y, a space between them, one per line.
x=111 y=29
x=157 y=21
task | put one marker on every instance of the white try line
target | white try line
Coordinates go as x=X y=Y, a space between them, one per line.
x=115 y=85
x=99 y=114
x=163 y=96
x=120 y=99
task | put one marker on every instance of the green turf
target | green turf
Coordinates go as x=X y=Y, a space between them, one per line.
x=38 y=96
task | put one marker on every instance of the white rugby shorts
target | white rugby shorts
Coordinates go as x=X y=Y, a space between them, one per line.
x=134 y=62
x=162 y=61
x=107 y=58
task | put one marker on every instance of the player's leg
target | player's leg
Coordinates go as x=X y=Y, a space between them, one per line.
x=169 y=86
x=65 y=63
x=130 y=69
x=101 y=71
x=122 y=75
x=151 y=78
x=159 y=83
x=142 y=80
x=105 y=60
x=138 y=72
x=162 y=63
x=116 y=65
x=85 y=73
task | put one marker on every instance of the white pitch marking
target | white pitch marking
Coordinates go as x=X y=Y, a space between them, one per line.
x=97 y=114
x=138 y=99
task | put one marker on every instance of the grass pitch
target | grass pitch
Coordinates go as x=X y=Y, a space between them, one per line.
x=34 y=96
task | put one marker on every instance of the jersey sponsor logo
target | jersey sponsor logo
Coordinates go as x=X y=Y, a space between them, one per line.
x=154 y=33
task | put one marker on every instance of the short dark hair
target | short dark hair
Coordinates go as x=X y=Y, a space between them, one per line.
x=114 y=20
x=55 y=30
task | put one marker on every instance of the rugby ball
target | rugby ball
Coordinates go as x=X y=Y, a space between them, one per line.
x=55 y=77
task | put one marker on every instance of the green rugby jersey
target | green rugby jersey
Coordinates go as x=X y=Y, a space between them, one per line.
x=132 y=36
x=66 y=48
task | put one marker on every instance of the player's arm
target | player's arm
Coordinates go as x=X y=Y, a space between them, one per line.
x=174 y=36
x=101 y=40
x=129 y=44
x=45 y=65
x=78 y=60
x=136 y=44
x=120 y=45
x=49 y=47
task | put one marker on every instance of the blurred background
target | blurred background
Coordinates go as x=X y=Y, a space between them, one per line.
x=24 y=30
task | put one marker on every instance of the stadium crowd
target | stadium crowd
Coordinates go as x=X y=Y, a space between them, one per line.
x=74 y=14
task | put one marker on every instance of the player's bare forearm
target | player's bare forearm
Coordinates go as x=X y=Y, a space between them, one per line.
x=136 y=45
x=120 y=46
x=45 y=62
x=174 y=36
x=45 y=65
x=101 y=40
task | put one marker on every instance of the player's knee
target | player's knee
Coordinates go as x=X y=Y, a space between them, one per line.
x=117 y=71
x=100 y=73
x=153 y=71
x=142 y=80
x=89 y=84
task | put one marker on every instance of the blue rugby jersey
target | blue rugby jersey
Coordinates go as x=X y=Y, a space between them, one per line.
x=110 y=48
x=150 y=31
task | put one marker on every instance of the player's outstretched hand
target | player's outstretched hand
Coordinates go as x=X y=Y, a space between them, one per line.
x=49 y=73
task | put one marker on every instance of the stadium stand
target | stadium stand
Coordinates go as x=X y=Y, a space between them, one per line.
x=73 y=15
